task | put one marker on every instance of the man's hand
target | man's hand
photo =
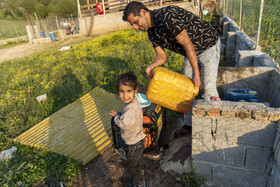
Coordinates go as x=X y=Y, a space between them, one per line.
x=196 y=81
x=149 y=71
x=113 y=113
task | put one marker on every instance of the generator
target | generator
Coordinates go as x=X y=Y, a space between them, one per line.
x=154 y=126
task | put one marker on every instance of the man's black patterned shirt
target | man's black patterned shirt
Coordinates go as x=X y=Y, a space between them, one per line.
x=168 y=22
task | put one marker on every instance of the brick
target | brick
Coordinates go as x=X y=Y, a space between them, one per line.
x=260 y=115
x=274 y=117
x=213 y=112
x=198 y=111
x=228 y=114
x=243 y=114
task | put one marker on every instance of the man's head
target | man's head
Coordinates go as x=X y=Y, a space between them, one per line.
x=137 y=15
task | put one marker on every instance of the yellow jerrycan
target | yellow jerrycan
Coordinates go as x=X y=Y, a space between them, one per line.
x=171 y=90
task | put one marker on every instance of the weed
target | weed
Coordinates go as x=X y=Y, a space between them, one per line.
x=192 y=180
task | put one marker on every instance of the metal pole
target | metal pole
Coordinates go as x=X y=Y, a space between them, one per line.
x=241 y=15
x=260 y=23
x=103 y=7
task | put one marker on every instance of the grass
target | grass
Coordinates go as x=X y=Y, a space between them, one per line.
x=64 y=76
x=12 y=28
x=270 y=28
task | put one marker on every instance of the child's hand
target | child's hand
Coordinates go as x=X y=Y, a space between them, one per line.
x=113 y=113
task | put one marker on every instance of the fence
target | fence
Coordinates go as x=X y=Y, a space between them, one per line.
x=260 y=20
x=11 y=29
x=118 y=5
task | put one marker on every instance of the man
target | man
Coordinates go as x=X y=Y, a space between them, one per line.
x=179 y=30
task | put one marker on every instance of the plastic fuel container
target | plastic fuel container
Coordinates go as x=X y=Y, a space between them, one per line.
x=238 y=94
x=171 y=90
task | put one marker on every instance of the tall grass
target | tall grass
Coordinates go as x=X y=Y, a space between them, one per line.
x=64 y=76
x=270 y=28
x=12 y=28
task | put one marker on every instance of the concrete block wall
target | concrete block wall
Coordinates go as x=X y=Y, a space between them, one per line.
x=275 y=179
x=232 y=142
x=240 y=47
x=264 y=80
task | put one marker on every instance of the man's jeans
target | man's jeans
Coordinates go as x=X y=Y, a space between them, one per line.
x=208 y=62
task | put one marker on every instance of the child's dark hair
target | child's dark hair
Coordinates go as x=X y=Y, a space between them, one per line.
x=127 y=79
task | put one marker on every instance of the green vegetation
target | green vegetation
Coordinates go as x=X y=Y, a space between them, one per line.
x=192 y=180
x=64 y=76
x=270 y=31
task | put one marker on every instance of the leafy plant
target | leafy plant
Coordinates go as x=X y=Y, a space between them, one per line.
x=192 y=180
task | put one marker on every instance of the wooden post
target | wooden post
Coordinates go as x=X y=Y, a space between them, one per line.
x=72 y=19
x=241 y=15
x=79 y=9
x=260 y=23
x=15 y=29
x=37 y=20
x=56 y=22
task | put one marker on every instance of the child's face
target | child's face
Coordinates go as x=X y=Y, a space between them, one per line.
x=126 y=93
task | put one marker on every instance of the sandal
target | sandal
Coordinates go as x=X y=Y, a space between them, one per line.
x=215 y=98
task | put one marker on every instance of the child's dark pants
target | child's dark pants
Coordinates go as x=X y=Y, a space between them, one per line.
x=133 y=155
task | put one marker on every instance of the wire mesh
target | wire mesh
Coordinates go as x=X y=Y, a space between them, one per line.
x=270 y=22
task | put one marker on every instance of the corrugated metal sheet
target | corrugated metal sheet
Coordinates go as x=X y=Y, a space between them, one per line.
x=81 y=130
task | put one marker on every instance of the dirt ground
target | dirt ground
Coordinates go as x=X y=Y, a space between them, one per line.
x=23 y=50
x=108 y=168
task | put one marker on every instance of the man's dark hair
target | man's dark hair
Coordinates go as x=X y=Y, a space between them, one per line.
x=133 y=7
x=127 y=79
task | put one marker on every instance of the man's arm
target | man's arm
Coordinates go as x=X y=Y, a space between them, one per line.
x=159 y=60
x=185 y=41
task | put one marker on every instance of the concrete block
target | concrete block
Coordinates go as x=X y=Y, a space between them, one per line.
x=202 y=169
x=220 y=153
x=225 y=28
x=259 y=137
x=201 y=129
x=230 y=46
x=264 y=60
x=258 y=158
x=275 y=179
x=239 y=176
x=245 y=132
x=246 y=57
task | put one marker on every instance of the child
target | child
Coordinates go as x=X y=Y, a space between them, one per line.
x=130 y=121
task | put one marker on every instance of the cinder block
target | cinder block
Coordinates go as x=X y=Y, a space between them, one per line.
x=259 y=137
x=275 y=179
x=230 y=46
x=245 y=132
x=201 y=129
x=225 y=28
x=219 y=153
x=202 y=169
x=264 y=60
x=276 y=141
x=258 y=158
x=239 y=176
